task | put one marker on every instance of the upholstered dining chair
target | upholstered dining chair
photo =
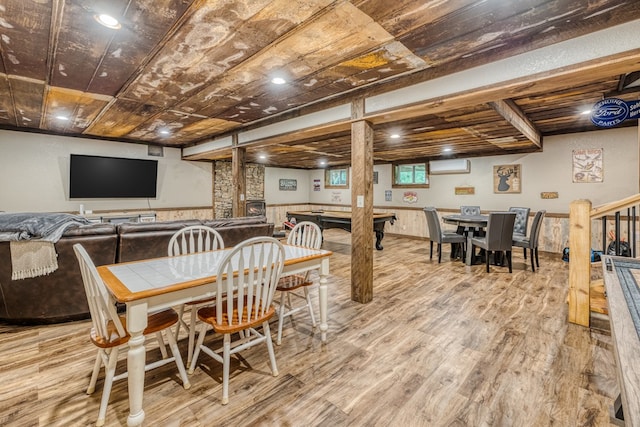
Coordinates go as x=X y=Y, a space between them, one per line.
x=531 y=242
x=309 y=235
x=471 y=211
x=109 y=335
x=437 y=235
x=522 y=221
x=242 y=304
x=189 y=240
x=498 y=236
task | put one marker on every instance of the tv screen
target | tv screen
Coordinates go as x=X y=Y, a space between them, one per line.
x=111 y=177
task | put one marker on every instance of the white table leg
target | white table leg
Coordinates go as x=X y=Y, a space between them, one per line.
x=324 y=326
x=136 y=323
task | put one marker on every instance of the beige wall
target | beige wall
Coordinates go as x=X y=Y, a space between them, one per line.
x=547 y=171
x=34 y=175
x=273 y=193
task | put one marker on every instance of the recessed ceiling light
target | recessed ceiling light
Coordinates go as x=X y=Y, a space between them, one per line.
x=63 y=118
x=107 y=21
x=394 y=136
x=278 y=81
x=446 y=150
x=165 y=132
x=585 y=112
x=262 y=157
x=322 y=163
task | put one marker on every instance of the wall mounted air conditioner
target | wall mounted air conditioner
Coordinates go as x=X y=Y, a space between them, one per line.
x=441 y=167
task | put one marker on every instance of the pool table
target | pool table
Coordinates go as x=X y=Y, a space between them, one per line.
x=342 y=219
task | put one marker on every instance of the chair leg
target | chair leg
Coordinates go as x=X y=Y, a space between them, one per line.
x=533 y=261
x=196 y=350
x=509 y=261
x=96 y=371
x=180 y=313
x=110 y=371
x=272 y=355
x=537 y=259
x=431 y=250
x=439 y=252
x=178 y=359
x=163 y=347
x=525 y=253
x=280 y=318
x=487 y=254
x=192 y=333
x=310 y=306
x=226 y=360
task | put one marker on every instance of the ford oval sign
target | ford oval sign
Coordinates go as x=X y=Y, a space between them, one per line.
x=609 y=112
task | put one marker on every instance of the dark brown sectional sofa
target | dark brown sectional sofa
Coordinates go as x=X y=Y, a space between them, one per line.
x=60 y=297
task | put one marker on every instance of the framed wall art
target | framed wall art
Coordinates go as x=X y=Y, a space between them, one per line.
x=507 y=179
x=587 y=165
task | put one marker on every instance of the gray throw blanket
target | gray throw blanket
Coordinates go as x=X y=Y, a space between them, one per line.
x=48 y=227
x=31 y=237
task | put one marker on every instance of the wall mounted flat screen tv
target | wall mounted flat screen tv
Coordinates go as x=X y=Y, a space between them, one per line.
x=112 y=177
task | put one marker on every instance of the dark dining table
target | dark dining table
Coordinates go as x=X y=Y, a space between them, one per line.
x=470 y=223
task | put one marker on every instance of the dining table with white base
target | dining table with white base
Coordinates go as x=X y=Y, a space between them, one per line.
x=154 y=284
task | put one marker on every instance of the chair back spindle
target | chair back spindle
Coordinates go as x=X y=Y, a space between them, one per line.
x=261 y=259
x=101 y=305
x=193 y=239
x=306 y=234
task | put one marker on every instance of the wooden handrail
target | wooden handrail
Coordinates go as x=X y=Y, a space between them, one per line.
x=612 y=207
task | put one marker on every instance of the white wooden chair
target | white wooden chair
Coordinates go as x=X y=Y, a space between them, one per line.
x=189 y=240
x=309 y=235
x=242 y=303
x=110 y=336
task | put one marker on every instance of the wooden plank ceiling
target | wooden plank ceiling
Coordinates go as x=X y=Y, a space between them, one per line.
x=181 y=72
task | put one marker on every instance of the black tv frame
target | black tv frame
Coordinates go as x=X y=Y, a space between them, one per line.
x=102 y=177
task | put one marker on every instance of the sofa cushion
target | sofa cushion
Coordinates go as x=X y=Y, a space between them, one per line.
x=232 y=235
x=138 y=241
x=59 y=296
x=145 y=227
x=99 y=229
x=241 y=220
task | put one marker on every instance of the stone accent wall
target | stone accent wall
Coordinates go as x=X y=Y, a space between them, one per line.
x=223 y=187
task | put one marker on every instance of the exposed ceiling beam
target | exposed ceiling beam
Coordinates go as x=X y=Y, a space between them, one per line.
x=514 y=115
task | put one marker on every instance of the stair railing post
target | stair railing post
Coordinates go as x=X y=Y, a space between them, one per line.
x=579 y=261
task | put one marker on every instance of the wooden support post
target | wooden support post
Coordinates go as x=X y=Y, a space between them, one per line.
x=238 y=169
x=361 y=205
x=579 y=261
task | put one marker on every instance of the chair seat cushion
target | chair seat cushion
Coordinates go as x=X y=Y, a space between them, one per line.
x=239 y=321
x=522 y=243
x=295 y=281
x=201 y=301
x=479 y=241
x=453 y=237
x=155 y=322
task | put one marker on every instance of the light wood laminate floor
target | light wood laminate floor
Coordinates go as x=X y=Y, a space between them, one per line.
x=440 y=345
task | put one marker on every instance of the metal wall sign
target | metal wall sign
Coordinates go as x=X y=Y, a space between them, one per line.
x=611 y=112
x=288 y=185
